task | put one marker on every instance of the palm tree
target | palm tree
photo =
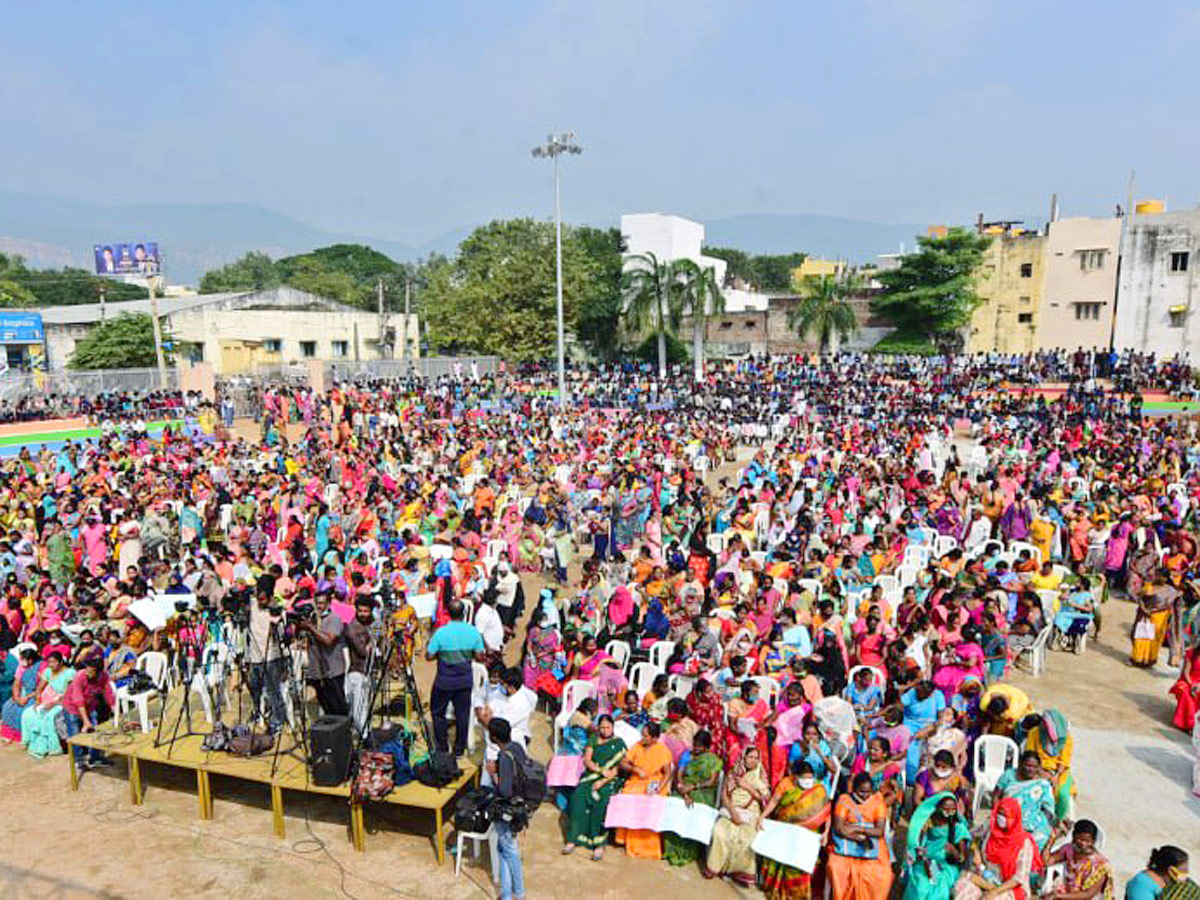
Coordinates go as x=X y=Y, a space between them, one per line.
x=699 y=296
x=648 y=289
x=823 y=311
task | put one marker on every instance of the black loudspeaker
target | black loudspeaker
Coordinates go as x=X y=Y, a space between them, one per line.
x=329 y=742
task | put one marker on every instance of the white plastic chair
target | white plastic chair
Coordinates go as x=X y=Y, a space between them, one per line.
x=768 y=688
x=716 y=543
x=479 y=684
x=880 y=677
x=574 y=693
x=943 y=544
x=660 y=652
x=641 y=677
x=907 y=575
x=994 y=755
x=475 y=837
x=681 y=685
x=889 y=583
x=619 y=650
x=1037 y=652
x=209 y=678
x=1015 y=548
x=155 y=665
x=811 y=584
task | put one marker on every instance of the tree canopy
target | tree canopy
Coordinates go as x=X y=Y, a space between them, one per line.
x=824 y=309
x=932 y=292
x=348 y=273
x=126 y=342
x=498 y=294
x=23 y=286
x=770 y=272
x=598 y=320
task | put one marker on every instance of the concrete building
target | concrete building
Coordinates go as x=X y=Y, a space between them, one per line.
x=1157 y=291
x=1009 y=284
x=1080 y=285
x=812 y=267
x=243 y=332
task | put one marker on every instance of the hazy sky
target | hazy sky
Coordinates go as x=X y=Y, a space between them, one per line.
x=406 y=119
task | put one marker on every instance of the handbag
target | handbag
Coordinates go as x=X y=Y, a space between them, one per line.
x=1144 y=630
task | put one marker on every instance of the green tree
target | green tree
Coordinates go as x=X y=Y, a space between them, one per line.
x=498 y=294
x=650 y=290
x=253 y=272
x=774 y=273
x=126 y=342
x=598 y=321
x=700 y=297
x=738 y=263
x=57 y=287
x=824 y=310
x=932 y=292
x=349 y=273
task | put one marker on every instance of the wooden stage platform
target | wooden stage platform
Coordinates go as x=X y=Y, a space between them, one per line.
x=290 y=775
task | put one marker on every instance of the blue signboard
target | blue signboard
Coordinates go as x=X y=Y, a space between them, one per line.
x=21 y=328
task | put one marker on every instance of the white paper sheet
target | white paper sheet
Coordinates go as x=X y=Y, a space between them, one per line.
x=695 y=824
x=148 y=613
x=424 y=605
x=792 y=845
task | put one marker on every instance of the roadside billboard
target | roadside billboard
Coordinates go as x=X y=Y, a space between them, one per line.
x=21 y=327
x=137 y=258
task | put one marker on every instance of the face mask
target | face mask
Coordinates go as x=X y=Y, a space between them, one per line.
x=943 y=773
x=1001 y=822
x=807 y=782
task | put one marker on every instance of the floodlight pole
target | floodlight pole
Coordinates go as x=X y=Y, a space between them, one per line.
x=555 y=146
x=151 y=285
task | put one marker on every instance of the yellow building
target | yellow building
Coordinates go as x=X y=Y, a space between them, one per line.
x=812 y=266
x=1009 y=284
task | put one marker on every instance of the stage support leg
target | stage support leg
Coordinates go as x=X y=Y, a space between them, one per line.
x=358 y=828
x=277 y=810
x=135 y=781
x=204 y=793
x=439 y=843
x=74 y=771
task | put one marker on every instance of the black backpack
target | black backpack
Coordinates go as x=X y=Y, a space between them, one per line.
x=529 y=779
x=472 y=812
x=438 y=769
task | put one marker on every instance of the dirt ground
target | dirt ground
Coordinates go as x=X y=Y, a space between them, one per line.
x=1133 y=768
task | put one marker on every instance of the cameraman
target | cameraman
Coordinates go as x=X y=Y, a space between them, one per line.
x=506 y=774
x=264 y=659
x=326 y=659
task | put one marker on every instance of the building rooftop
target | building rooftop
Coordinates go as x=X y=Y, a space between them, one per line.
x=87 y=313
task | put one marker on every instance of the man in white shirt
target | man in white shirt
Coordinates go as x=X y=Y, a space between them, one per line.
x=508 y=584
x=515 y=705
x=487 y=621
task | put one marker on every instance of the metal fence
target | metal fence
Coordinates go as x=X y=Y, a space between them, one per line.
x=425 y=367
x=83 y=383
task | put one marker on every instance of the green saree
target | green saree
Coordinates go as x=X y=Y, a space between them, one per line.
x=679 y=851
x=588 y=804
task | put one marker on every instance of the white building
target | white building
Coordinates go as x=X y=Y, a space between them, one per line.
x=242 y=332
x=1157 y=292
x=671 y=238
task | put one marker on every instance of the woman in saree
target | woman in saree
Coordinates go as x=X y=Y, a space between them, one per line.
x=679 y=730
x=1086 y=871
x=648 y=768
x=542 y=644
x=1186 y=692
x=706 y=710
x=747 y=712
x=859 y=865
x=743 y=799
x=799 y=799
x=595 y=665
x=943 y=776
x=884 y=769
x=1027 y=784
x=38 y=733
x=695 y=783
x=601 y=779
x=1151 y=622
x=24 y=688
x=1054 y=746
x=938 y=849
x=1009 y=857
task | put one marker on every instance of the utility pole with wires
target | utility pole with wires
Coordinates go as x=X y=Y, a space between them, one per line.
x=151 y=286
x=382 y=342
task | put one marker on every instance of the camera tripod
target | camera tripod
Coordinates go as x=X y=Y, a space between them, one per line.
x=189 y=662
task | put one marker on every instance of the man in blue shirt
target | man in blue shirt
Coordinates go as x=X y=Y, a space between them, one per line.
x=454 y=646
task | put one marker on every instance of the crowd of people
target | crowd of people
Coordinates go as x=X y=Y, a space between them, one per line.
x=789 y=592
